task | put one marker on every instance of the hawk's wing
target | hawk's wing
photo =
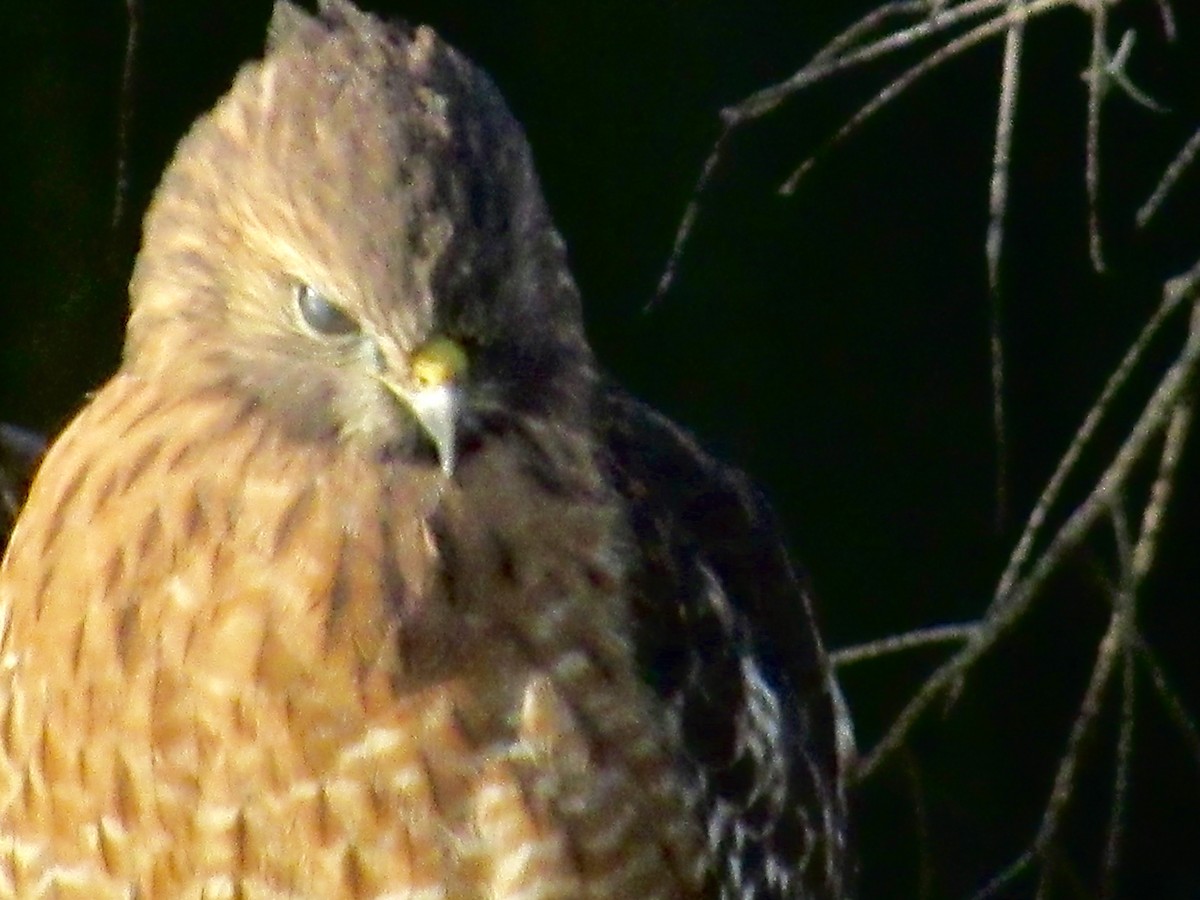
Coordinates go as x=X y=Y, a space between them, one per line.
x=728 y=640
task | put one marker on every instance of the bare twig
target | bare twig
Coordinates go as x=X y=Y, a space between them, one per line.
x=922 y=637
x=977 y=35
x=1135 y=560
x=1097 y=86
x=1013 y=597
x=868 y=25
x=1189 y=728
x=1169 y=179
x=1006 y=111
x=920 y=825
x=1064 y=778
x=948 y=29
x=943 y=18
x=842 y=54
x=1083 y=436
x=1167 y=17
x=1124 y=755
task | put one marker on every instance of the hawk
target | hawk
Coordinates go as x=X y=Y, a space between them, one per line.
x=360 y=579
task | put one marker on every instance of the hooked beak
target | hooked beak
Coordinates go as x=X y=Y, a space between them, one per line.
x=436 y=410
x=434 y=395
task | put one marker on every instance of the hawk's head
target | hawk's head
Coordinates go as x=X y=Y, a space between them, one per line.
x=355 y=238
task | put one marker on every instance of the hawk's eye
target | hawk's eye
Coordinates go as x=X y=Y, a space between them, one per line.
x=321 y=315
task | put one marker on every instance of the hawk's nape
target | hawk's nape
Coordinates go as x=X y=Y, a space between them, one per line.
x=358 y=579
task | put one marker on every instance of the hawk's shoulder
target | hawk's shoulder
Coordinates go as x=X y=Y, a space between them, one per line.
x=727 y=638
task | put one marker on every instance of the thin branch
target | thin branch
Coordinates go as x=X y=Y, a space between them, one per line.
x=690 y=213
x=1097 y=85
x=922 y=637
x=1172 y=298
x=1160 y=491
x=829 y=61
x=1167 y=16
x=1115 y=72
x=899 y=85
x=1144 y=654
x=1189 y=728
x=920 y=826
x=1136 y=562
x=1120 y=803
x=1006 y=110
x=1007 y=609
x=769 y=98
x=1107 y=653
x=1064 y=777
x=867 y=25
x=1010 y=78
x=1170 y=177
x=1115 y=645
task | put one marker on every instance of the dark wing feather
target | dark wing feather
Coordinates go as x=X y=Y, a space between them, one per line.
x=727 y=638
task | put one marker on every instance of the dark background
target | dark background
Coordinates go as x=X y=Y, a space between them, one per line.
x=834 y=343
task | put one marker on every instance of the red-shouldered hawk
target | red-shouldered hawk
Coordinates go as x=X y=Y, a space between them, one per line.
x=359 y=580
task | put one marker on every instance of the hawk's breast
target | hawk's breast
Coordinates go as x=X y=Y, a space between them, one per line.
x=234 y=664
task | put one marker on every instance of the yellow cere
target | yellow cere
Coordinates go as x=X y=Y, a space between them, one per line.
x=441 y=360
